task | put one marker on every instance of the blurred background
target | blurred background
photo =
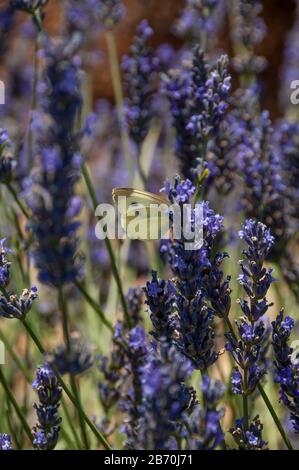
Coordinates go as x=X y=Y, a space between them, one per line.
x=278 y=16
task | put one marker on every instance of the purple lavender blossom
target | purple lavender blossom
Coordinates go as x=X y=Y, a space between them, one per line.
x=7 y=162
x=236 y=382
x=287 y=142
x=250 y=348
x=160 y=299
x=30 y=6
x=139 y=75
x=49 y=391
x=52 y=196
x=249 y=31
x=166 y=400
x=4 y=264
x=134 y=298
x=198 y=17
x=136 y=350
x=84 y=15
x=12 y=305
x=5 y=442
x=286 y=366
x=110 y=11
x=6 y=23
x=221 y=160
x=250 y=439
x=198 y=102
x=112 y=369
x=192 y=319
x=74 y=359
x=15 y=306
x=217 y=286
x=264 y=194
x=204 y=428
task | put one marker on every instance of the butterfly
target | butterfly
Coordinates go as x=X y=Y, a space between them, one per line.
x=144 y=215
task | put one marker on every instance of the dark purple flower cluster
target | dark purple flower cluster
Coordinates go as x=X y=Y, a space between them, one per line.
x=160 y=300
x=198 y=102
x=112 y=369
x=287 y=140
x=204 y=428
x=180 y=309
x=217 y=286
x=51 y=196
x=49 y=391
x=30 y=6
x=139 y=75
x=221 y=157
x=287 y=366
x=287 y=146
x=74 y=359
x=7 y=14
x=84 y=15
x=7 y=162
x=135 y=348
x=5 y=442
x=4 y=264
x=134 y=298
x=166 y=400
x=249 y=31
x=110 y=11
x=250 y=347
x=198 y=18
x=250 y=439
x=12 y=305
x=264 y=192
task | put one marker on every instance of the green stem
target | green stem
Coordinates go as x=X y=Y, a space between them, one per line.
x=70 y=423
x=89 y=423
x=66 y=437
x=118 y=93
x=94 y=305
x=275 y=417
x=14 y=356
x=37 y=20
x=15 y=405
x=114 y=268
x=265 y=398
x=140 y=169
x=17 y=200
x=12 y=431
x=64 y=313
x=76 y=393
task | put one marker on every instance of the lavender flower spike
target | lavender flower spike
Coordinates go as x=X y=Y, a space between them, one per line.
x=5 y=442
x=139 y=72
x=51 y=196
x=7 y=162
x=249 y=349
x=110 y=11
x=166 y=399
x=49 y=391
x=204 y=428
x=250 y=439
x=287 y=366
x=30 y=6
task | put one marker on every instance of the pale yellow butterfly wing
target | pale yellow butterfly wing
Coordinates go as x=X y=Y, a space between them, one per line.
x=144 y=215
